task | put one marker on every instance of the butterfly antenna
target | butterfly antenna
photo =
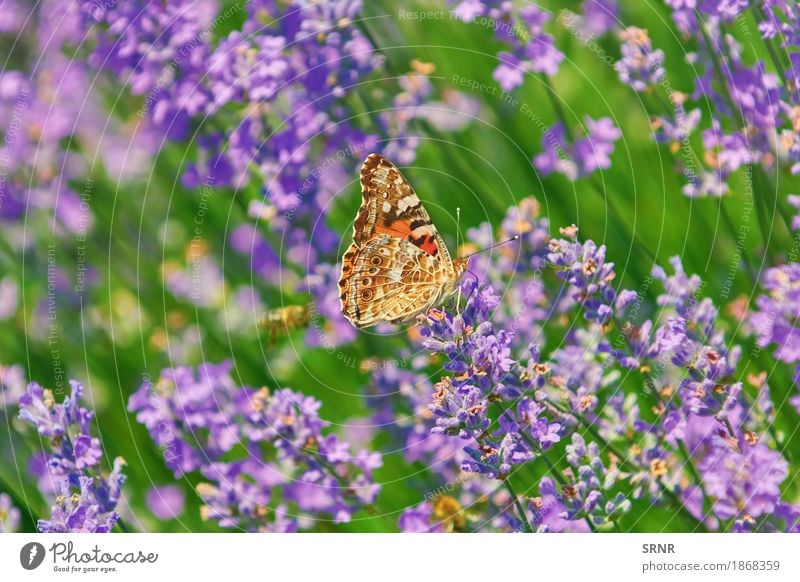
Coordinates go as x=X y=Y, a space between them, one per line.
x=458 y=224
x=494 y=246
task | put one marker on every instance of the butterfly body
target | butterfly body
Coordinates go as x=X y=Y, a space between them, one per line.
x=398 y=266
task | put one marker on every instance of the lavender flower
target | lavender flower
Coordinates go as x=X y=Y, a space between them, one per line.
x=170 y=58
x=400 y=397
x=577 y=371
x=587 y=496
x=532 y=50
x=584 y=267
x=90 y=509
x=549 y=514
x=784 y=519
x=166 y=502
x=45 y=108
x=683 y=354
x=726 y=10
x=477 y=355
x=675 y=129
x=12 y=385
x=418 y=519
x=485 y=373
x=773 y=320
x=583 y=156
x=13 y=17
x=743 y=483
x=9 y=515
x=200 y=417
x=641 y=67
x=85 y=498
x=599 y=16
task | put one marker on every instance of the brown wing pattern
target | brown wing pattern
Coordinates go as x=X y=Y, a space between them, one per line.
x=389 y=279
x=390 y=206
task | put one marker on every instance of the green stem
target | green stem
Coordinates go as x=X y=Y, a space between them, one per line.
x=521 y=510
x=712 y=51
x=669 y=110
x=616 y=211
x=687 y=459
x=759 y=179
x=761 y=17
x=751 y=265
x=560 y=113
x=8 y=250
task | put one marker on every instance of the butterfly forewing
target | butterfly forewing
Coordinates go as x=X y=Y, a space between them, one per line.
x=390 y=206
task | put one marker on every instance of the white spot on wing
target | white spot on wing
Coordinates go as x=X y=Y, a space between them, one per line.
x=423 y=230
x=409 y=201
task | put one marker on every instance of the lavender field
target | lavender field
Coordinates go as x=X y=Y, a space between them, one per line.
x=179 y=187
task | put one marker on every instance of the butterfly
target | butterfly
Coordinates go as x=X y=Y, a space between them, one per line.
x=398 y=266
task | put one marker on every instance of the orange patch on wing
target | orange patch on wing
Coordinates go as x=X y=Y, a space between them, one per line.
x=429 y=246
x=399 y=228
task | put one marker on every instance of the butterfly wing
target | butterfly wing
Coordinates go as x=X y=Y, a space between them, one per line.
x=389 y=279
x=390 y=206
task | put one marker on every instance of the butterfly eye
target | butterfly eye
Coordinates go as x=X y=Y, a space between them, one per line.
x=366 y=294
x=374 y=271
x=366 y=282
x=376 y=261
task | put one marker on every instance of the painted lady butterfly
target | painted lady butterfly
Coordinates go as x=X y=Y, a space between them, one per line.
x=398 y=265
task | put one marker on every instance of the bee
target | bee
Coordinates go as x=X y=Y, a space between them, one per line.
x=448 y=511
x=282 y=320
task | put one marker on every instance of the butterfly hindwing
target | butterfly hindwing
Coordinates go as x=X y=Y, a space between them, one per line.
x=388 y=279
